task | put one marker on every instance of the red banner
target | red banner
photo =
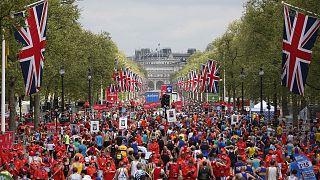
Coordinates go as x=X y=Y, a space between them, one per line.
x=100 y=107
x=163 y=90
x=111 y=97
x=6 y=140
x=151 y=105
x=178 y=105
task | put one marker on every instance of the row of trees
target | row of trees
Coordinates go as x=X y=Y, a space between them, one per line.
x=254 y=41
x=69 y=45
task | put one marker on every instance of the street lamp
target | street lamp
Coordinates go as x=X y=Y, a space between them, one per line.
x=62 y=71
x=261 y=73
x=242 y=76
x=89 y=92
x=275 y=98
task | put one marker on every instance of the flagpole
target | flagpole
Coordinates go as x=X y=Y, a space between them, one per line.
x=35 y=3
x=224 y=85
x=101 y=93
x=3 y=85
x=301 y=9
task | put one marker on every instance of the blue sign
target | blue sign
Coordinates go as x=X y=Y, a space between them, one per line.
x=169 y=89
x=304 y=167
x=152 y=96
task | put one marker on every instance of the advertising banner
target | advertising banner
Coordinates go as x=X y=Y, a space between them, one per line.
x=304 y=167
x=152 y=97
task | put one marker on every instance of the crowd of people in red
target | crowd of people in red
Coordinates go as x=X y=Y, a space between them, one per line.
x=199 y=145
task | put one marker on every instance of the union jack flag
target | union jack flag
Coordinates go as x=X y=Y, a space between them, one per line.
x=203 y=77
x=33 y=38
x=299 y=36
x=194 y=81
x=121 y=78
x=213 y=76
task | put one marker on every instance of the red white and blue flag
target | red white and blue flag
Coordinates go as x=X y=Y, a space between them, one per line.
x=299 y=36
x=203 y=78
x=213 y=76
x=194 y=81
x=33 y=38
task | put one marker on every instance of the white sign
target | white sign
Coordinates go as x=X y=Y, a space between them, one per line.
x=94 y=126
x=123 y=123
x=304 y=114
x=234 y=119
x=171 y=115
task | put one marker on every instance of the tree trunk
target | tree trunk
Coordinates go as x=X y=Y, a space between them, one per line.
x=12 y=105
x=36 y=110
x=284 y=102
x=229 y=95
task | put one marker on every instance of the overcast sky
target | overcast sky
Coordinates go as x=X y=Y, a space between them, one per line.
x=179 y=24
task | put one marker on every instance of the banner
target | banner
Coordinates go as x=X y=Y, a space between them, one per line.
x=111 y=97
x=152 y=97
x=213 y=97
x=163 y=89
x=178 y=105
x=304 y=167
x=94 y=127
x=123 y=123
x=6 y=140
x=171 y=115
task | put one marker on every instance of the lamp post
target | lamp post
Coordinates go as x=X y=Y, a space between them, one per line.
x=242 y=78
x=89 y=90
x=275 y=98
x=62 y=71
x=261 y=73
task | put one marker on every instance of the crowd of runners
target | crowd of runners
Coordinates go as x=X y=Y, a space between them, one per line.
x=199 y=145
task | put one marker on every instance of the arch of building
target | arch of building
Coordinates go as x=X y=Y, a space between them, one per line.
x=151 y=85
x=159 y=84
x=156 y=84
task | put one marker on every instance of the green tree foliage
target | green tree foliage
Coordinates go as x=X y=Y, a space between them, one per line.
x=254 y=41
x=68 y=45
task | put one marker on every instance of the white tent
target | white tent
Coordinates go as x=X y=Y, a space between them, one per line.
x=256 y=108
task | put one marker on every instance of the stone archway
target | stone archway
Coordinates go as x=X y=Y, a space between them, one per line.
x=150 y=85
x=158 y=84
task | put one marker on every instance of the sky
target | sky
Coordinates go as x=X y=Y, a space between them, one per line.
x=175 y=24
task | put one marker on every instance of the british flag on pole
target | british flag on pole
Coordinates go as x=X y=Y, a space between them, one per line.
x=213 y=76
x=299 y=36
x=33 y=38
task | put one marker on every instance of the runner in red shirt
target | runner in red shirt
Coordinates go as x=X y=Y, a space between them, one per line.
x=189 y=171
x=57 y=171
x=109 y=171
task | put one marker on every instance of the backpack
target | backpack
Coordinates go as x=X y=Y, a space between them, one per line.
x=174 y=170
x=204 y=173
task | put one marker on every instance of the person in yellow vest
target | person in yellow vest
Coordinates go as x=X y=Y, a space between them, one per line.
x=123 y=149
x=78 y=165
x=318 y=136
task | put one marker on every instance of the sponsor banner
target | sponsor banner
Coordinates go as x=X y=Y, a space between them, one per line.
x=178 y=105
x=152 y=97
x=304 y=167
